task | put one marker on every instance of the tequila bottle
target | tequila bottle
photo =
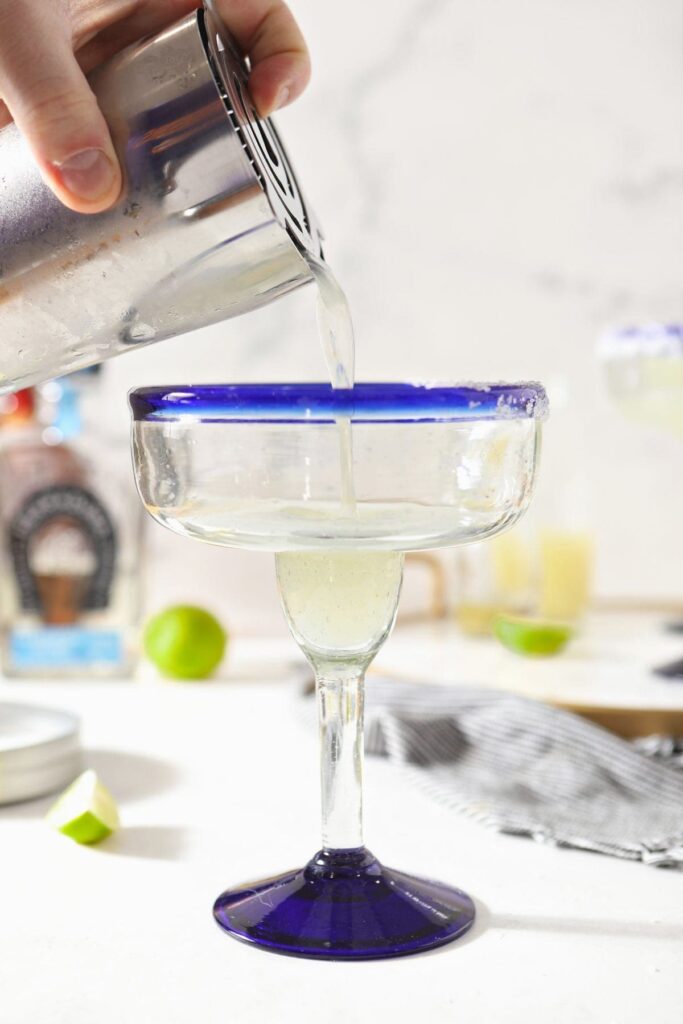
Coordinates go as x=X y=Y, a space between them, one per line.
x=71 y=537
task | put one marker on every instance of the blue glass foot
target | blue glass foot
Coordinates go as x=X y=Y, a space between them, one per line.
x=344 y=905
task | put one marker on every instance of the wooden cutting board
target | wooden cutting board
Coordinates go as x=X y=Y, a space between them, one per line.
x=604 y=674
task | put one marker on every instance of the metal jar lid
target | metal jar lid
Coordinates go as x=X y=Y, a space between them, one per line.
x=39 y=751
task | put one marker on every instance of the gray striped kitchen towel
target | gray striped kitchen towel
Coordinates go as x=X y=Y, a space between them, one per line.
x=526 y=768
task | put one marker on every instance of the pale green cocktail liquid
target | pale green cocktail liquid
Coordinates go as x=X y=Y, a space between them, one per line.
x=339 y=601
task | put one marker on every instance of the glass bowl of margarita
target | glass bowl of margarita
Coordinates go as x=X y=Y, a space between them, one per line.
x=300 y=466
x=643 y=366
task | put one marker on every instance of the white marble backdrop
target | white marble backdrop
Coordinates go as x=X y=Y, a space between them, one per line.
x=497 y=182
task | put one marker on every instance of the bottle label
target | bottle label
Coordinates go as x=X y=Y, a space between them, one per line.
x=63 y=549
x=52 y=647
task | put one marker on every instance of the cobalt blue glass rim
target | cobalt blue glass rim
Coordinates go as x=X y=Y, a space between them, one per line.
x=319 y=402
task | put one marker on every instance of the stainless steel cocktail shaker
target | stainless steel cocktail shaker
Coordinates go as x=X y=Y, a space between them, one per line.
x=211 y=222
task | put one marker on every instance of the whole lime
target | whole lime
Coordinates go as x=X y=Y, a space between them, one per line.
x=185 y=642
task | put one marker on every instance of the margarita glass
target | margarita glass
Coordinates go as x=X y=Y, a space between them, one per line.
x=258 y=466
x=644 y=370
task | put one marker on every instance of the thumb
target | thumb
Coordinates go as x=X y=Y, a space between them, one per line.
x=55 y=109
x=268 y=33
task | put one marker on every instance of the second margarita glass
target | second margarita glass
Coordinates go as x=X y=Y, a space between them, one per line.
x=258 y=466
x=643 y=367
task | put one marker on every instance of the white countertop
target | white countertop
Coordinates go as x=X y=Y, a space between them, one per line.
x=217 y=784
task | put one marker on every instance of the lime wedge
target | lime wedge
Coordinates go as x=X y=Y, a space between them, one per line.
x=86 y=811
x=532 y=636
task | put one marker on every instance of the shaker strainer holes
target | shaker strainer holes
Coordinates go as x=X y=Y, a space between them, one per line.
x=267 y=144
x=261 y=134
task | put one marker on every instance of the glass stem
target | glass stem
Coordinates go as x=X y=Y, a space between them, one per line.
x=340 y=718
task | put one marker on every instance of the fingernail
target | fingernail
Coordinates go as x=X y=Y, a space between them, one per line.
x=89 y=174
x=282 y=98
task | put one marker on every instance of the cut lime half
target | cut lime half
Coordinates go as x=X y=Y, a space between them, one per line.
x=86 y=811
x=535 y=637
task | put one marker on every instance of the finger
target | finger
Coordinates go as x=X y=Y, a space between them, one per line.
x=53 y=106
x=5 y=116
x=269 y=35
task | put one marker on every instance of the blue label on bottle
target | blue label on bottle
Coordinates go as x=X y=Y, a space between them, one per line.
x=64 y=646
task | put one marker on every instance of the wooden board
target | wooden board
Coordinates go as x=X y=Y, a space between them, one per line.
x=605 y=674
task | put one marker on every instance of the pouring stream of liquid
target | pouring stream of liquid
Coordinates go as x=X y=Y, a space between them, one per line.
x=336 y=335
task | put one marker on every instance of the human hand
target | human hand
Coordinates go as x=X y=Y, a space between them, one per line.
x=48 y=46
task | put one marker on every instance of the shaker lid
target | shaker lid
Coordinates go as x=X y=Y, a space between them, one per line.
x=259 y=136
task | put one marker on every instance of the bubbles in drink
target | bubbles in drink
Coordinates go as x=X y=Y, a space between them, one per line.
x=340 y=600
